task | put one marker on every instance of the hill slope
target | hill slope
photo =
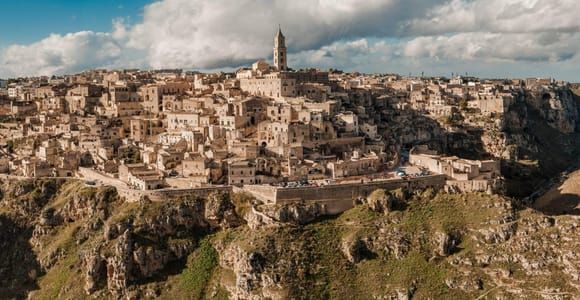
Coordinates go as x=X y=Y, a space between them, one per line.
x=563 y=198
x=65 y=240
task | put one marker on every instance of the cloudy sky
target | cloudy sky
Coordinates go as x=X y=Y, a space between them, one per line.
x=487 y=38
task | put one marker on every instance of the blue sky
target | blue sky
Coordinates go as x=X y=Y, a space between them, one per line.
x=25 y=22
x=486 y=38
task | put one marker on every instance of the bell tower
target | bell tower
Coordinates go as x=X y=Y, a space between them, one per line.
x=280 y=60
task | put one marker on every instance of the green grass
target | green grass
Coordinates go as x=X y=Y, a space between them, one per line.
x=64 y=237
x=359 y=215
x=58 y=277
x=242 y=201
x=221 y=294
x=200 y=266
x=125 y=211
x=66 y=190
x=335 y=277
x=428 y=278
x=65 y=273
x=440 y=213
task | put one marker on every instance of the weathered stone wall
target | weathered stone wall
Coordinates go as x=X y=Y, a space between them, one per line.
x=168 y=194
x=265 y=193
x=131 y=195
x=340 y=197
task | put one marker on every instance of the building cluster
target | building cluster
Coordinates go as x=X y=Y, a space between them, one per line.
x=463 y=175
x=268 y=124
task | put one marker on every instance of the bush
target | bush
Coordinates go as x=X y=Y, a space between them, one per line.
x=243 y=203
x=200 y=266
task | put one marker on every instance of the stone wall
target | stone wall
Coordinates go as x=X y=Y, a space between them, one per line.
x=168 y=194
x=265 y=193
x=339 y=197
x=131 y=195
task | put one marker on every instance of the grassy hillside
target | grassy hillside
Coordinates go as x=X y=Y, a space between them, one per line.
x=431 y=245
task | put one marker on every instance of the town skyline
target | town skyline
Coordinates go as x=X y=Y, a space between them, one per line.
x=434 y=38
x=307 y=167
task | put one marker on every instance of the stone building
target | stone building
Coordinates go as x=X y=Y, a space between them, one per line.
x=274 y=85
x=152 y=94
x=355 y=165
x=491 y=103
x=241 y=172
x=182 y=120
x=143 y=128
x=462 y=174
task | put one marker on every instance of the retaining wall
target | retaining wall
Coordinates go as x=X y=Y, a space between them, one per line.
x=339 y=197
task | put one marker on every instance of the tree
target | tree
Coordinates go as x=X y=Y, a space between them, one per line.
x=463 y=104
x=130 y=155
x=10 y=146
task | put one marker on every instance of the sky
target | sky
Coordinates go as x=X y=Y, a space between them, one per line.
x=485 y=38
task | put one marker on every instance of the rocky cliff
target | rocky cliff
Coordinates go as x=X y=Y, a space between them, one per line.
x=541 y=134
x=536 y=138
x=64 y=240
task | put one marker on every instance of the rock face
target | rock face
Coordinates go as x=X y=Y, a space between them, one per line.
x=558 y=107
x=445 y=243
x=295 y=214
x=119 y=265
x=220 y=212
x=380 y=201
x=85 y=241
x=480 y=241
x=94 y=270
x=355 y=249
x=135 y=258
x=116 y=244
x=248 y=267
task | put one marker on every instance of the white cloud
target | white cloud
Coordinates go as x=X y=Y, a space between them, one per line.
x=58 y=54
x=352 y=55
x=499 y=16
x=373 y=35
x=208 y=34
x=527 y=47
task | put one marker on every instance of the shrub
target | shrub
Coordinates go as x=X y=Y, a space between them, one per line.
x=200 y=266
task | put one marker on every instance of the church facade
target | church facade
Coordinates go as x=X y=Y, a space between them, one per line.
x=277 y=81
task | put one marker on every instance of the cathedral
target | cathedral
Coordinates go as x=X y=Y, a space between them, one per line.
x=279 y=81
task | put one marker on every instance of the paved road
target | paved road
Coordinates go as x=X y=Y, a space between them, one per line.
x=101 y=179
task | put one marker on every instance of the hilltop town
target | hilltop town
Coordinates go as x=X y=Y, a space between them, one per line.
x=267 y=129
x=276 y=183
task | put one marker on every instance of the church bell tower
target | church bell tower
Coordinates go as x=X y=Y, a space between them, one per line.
x=280 y=60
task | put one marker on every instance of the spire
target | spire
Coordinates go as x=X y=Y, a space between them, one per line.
x=279 y=39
